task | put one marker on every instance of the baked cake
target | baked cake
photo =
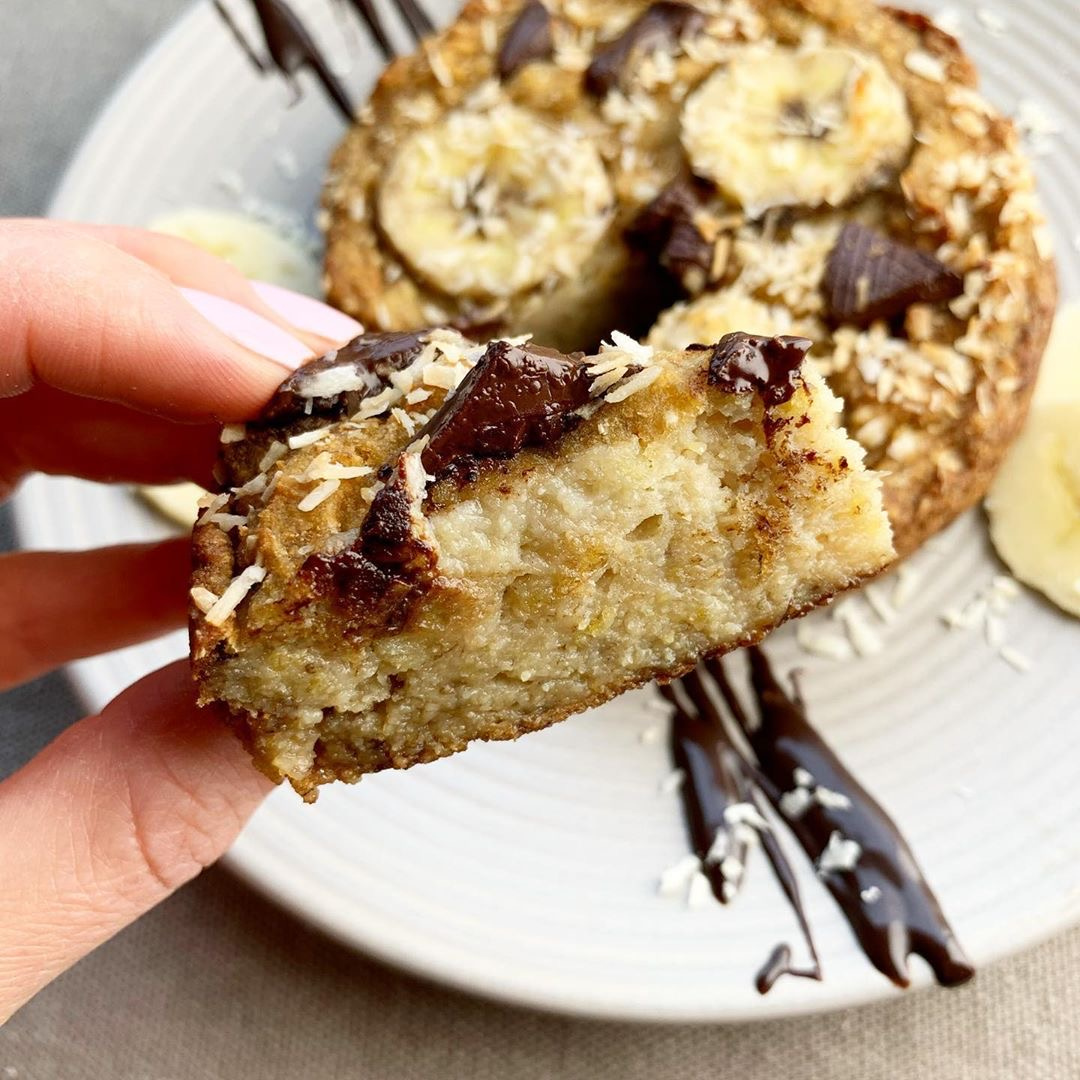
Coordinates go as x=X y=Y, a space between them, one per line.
x=816 y=167
x=425 y=541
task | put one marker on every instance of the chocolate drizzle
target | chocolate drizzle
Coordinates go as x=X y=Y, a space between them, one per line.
x=869 y=276
x=884 y=896
x=718 y=777
x=515 y=396
x=291 y=48
x=364 y=366
x=663 y=23
x=745 y=362
x=529 y=38
x=882 y=893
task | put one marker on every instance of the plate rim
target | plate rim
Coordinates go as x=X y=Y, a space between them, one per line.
x=247 y=863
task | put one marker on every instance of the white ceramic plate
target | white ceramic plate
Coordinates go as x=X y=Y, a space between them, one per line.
x=528 y=871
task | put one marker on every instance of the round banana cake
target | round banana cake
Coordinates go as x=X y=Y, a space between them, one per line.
x=822 y=168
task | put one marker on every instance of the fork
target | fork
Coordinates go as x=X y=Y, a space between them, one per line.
x=291 y=47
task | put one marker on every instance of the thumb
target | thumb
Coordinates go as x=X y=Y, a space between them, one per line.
x=108 y=820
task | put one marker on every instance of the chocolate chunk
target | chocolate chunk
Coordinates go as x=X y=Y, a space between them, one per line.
x=528 y=39
x=744 y=362
x=517 y=395
x=363 y=366
x=665 y=229
x=386 y=569
x=869 y=276
x=662 y=24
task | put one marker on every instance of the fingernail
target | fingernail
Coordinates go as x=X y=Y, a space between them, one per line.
x=248 y=329
x=307 y=314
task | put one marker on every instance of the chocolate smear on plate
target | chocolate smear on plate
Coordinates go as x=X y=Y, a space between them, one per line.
x=857 y=850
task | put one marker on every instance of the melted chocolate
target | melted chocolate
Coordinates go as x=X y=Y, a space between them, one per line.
x=291 y=48
x=663 y=23
x=744 y=362
x=528 y=39
x=869 y=276
x=371 y=358
x=666 y=229
x=884 y=896
x=718 y=777
x=515 y=396
x=378 y=578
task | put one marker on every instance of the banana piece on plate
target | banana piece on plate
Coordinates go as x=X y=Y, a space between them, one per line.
x=179 y=503
x=254 y=248
x=1034 y=504
x=786 y=127
x=489 y=204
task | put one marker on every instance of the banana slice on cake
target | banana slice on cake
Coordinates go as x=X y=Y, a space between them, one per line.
x=489 y=205
x=786 y=127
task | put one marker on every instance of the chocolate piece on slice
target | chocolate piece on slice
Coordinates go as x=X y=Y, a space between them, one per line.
x=517 y=395
x=743 y=362
x=869 y=277
x=662 y=23
x=528 y=39
x=335 y=384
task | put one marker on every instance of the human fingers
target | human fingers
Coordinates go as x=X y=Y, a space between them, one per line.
x=84 y=317
x=60 y=606
x=189 y=266
x=108 y=820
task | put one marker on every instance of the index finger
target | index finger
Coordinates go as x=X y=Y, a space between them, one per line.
x=84 y=317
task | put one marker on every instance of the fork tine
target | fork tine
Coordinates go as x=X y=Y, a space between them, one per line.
x=416 y=17
x=370 y=14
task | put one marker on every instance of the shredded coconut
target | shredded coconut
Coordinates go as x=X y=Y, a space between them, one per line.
x=700 y=890
x=232 y=597
x=677 y=876
x=841 y=854
x=632 y=385
x=926 y=66
x=308 y=438
x=318 y=495
x=203 y=599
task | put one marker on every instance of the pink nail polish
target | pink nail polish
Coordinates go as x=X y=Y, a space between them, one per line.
x=308 y=314
x=248 y=329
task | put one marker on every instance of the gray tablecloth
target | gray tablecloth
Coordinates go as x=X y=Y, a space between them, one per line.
x=218 y=983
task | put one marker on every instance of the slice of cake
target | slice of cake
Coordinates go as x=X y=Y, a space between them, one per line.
x=426 y=541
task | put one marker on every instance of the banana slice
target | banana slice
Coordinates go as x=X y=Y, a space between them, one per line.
x=1034 y=504
x=255 y=249
x=178 y=503
x=707 y=318
x=785 y=127
x=489 y=205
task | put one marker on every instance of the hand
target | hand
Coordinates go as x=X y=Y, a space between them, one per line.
x=121 y=352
